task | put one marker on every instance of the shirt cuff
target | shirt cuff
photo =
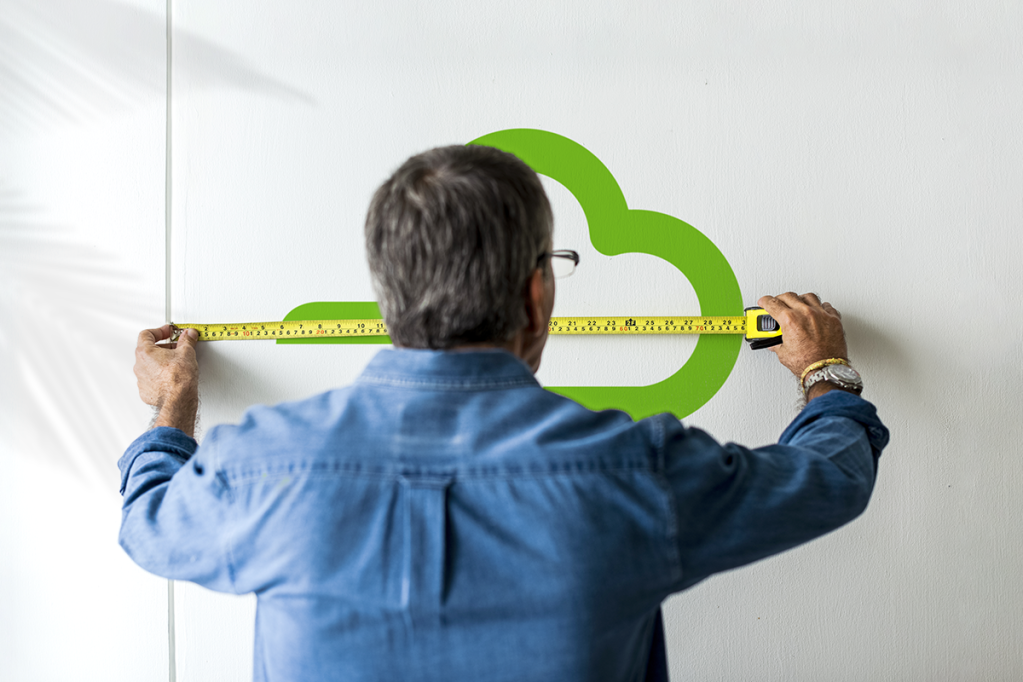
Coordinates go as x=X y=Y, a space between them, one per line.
x=161 y=439
x=842 y=404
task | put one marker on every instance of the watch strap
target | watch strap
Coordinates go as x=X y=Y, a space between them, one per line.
x=826 y=374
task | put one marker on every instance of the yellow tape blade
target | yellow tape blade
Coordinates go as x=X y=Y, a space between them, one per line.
x=628 y=325
x=648 y=325
x=262 y=331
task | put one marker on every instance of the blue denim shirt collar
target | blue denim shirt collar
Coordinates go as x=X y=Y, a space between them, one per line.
x=448 y=370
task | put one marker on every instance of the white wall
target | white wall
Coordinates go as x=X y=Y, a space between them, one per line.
x=81 y=271
x=869 y=152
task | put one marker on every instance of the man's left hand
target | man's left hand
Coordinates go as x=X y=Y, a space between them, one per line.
x=168 y=376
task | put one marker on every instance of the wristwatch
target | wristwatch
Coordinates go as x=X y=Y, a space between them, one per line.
x=842 y=376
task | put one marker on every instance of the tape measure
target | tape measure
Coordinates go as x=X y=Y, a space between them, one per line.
x=760 y=329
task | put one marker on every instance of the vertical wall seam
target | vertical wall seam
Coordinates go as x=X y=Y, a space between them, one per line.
x=172 y=662
x=167 y=177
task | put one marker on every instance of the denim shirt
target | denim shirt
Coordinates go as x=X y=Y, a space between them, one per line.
x=446 y=518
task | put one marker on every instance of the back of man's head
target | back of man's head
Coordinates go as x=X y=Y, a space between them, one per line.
x=452 y=239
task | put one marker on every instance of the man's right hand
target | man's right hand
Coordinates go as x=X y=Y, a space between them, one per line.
x=811 y=330
x=168 y=376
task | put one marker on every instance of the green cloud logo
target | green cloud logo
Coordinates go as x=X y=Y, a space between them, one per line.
x=614 y=229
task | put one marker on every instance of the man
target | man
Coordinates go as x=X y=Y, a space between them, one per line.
x=445 y=518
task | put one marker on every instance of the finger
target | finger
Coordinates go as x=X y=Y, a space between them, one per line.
x=811 y=299
x=777 y=309
x=148 y=337
x=189 y=337
x=791 y=299
x=772 y=305
x=832 y=309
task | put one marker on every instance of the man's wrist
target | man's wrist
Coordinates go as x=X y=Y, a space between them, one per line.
x=179 y=411
x=822 y=387
x=836 y=372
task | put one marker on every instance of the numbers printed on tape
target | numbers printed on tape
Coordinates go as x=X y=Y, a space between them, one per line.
x=648 y=325
x=301 y=329
x=306 y=329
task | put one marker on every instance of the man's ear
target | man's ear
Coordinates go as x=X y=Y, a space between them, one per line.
x=535 y=303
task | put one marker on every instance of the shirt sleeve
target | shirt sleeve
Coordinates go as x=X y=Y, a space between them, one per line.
x=173 y=517
x=735 y=505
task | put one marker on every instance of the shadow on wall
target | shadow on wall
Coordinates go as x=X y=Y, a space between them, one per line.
x=73 y=60
x=870 y=340
x=70 y=314
x=68 y=397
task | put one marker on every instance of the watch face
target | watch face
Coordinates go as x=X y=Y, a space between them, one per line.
x=844 y=373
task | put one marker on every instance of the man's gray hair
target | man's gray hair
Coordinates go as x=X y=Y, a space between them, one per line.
x=452 y=239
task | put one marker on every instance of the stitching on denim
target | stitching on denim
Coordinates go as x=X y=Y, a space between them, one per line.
x=210 y=451
x=446 y=384
x=659 y=443
x=160 y=445
x=232 y=573
x=332 y=469
x=671 y=510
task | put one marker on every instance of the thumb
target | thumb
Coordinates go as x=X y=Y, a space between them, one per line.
x=189 y=337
